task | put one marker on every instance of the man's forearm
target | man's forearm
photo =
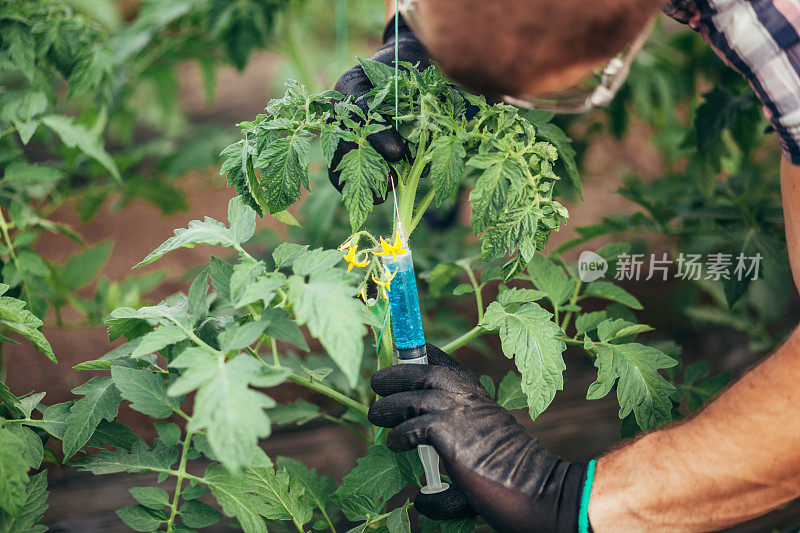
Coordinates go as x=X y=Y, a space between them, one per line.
x=739 y=458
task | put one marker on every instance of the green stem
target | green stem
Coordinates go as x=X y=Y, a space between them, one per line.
x=472 y=334
x=181 y=474
x=274 y=344
x=408 y=189
x=573 y=341
x=477 y=288
x=421 y=208
x=573 y=300
x=347 y=401
x=7 y=239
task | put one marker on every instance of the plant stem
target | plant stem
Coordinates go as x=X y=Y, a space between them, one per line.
x=573 y=300
x=408 y=192
x=472 y=334
x=421 y=208
x=477 y=288
x=346 y=425
x=275 y=357
x=343 y=399
x=187 y=441
x=7 y=239
x=573 y=341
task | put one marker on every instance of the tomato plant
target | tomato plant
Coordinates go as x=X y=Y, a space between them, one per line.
x=208 y=358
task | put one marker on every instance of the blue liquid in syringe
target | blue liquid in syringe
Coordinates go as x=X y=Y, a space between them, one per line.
x=404 y=303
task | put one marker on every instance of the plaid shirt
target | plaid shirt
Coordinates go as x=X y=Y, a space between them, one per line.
x=761 y=40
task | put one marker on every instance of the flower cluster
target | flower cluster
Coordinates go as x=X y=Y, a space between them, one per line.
x=378 y=272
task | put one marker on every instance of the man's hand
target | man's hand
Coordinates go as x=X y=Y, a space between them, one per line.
x=355 y=83
x=497 y=470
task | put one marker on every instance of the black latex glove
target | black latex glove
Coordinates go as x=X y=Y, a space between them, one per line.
x=388 y=143
x=497 y=470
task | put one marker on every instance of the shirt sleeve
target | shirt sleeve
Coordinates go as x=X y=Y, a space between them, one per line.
x=761 y=40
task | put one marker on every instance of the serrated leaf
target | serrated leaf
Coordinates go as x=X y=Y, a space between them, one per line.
x=158 y=339
x=233 y=493
x=233 y=415
x=95 y=364
x=140 y=459
x=298 y=413
x=318 y=488
x=490 y=196
x=447 y=166
x=609 y=291
x=100 y=401
x=282 y=495
x=519 y=296
x=286 y=253
x=145 y=390
x=113 y=434
x=15 y=317
x=197 y=514
x=640 y=388
x=210 y=232
x=197 y=299
x=509 y=393
x=589 y=321
x=326 y=304
x=150 y=497
x=531 y=338
x=375 y=476
x=140 y=518
x=33 y=508
x=551 y=278
x=13 y=472
x=363 y=172
x=398 y=521
x=284 y=167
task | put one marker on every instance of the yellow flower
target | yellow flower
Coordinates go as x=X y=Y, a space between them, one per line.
x=393 y=249
x=386 y=284
x=352 y=260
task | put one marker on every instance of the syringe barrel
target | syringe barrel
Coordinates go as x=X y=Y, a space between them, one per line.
x=409 y=338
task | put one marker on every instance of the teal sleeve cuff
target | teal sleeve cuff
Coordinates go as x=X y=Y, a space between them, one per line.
x=583 y=512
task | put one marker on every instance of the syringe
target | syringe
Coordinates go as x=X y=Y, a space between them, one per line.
x=409 y=340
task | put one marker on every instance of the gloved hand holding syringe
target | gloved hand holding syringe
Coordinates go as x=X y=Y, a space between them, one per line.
x=409 y=339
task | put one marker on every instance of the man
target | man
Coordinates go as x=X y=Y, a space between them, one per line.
x=739 y=457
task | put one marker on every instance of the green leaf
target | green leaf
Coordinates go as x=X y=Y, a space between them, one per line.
x=488 y=384
x=13 y=472
x=551 y=278
x=552 y=133
x=150 y=497
x=282 y=495
x=233 y=493
x=298 y=413
x=36 y=181
x=15 y=317
x=509 y=393
x=95 y=364
x=140 y=518
x=233 y=415
x=519 y=296
x=33 y=508
x=244 y=274
x=79 y=136
x=589 y=321
x=168 y=433
x=363 y=173
x=210 y=232
x=221 y=272
x=398 y=521
x=640 y=388
x=140 y=459
x=378 y=73
x=696 y=389
x=145 y=390
x=113 y=434
x=531 y=338
x=159 y=338
x=284 y=167
x=197 y=300
x=490 y=196
x=447 y=166
x=53 y=420
x=316 y=261
x=609 y=291
x=375 y=476
x=286 y=253
x=327 y=305
x=318 y=488
x=100 y=401
x=197 y=514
